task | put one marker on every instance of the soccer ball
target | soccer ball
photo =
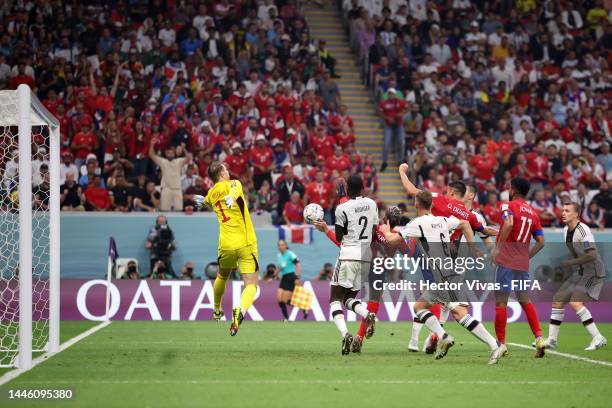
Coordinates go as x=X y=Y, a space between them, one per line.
x=313 y=212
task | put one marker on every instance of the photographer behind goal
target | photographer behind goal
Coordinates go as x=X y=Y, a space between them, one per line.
x=160 y=241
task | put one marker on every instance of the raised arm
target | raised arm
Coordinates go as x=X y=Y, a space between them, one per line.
x=408 y=186
x=152 y=154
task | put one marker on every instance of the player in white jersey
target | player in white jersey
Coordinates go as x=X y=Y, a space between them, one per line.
x=584 y=284
x=354 y=228
x=434 y=233
x=468 y=201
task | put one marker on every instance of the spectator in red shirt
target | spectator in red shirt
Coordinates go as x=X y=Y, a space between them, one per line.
x=22 y=78
x=345 y=118
x=321 y=143
x=392 y=110
x=293 y=211
x=97 y=197
x=338 y=161
x=546 y=126
x=537 y=164
x=320 y=192
x=320 y=165
x=491 y=209
x=295 y=117
x=262 y=160
x=84 y=143
x=273 y=122
x=100 y=98
x=345 y=136
x=205 y=140
x=482 y=166
x=237 y=162
x=138 y=148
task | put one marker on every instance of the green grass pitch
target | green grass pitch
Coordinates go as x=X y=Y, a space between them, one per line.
x=197 y=364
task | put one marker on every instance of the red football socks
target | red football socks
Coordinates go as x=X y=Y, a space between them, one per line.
x=532 y=318
x=501 y=316
x=435 y=309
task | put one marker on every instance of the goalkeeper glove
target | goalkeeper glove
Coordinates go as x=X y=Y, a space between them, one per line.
x=198 y=200
x=229 y=201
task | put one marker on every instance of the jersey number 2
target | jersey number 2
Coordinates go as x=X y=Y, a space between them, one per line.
x=521 y=237
x=363 y=220
x=224 y=218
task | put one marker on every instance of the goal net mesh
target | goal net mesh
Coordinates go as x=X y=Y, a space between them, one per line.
x=9 y=232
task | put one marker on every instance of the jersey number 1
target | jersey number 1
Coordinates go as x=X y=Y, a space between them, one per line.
x=224 y=217
x=521 y=237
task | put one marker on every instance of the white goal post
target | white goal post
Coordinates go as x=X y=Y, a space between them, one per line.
x=29 y=308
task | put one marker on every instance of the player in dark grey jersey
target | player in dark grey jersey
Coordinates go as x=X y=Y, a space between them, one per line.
x=584 y=284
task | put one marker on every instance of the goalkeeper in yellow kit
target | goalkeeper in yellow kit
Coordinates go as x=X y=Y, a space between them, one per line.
x=237 y=241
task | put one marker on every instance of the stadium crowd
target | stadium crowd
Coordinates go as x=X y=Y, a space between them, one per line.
x=486 y=91
x=241 y=82
x=149 y=93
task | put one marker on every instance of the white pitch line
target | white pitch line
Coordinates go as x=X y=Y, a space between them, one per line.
x=311 y=382
x=566 y=355
x=11 y=375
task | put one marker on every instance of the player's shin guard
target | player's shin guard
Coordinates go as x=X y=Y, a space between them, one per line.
x=501 y=317
x=219 y=290
x=431 y=322
x=357 y=307
x=587 y=321
x=532 y=318
x=556 y=318
x=338 y=316
x=247 y=298
x=478 y=330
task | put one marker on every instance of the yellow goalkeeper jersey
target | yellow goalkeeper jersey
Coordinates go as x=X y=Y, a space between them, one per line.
x=235 y=226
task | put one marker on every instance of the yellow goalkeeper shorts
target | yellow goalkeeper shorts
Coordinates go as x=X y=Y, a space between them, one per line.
x=245 y=259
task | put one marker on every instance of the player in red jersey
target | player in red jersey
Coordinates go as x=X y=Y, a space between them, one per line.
x=512 y=254
x=448 y=205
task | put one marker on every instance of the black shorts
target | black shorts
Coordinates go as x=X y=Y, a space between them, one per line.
x=288 y=282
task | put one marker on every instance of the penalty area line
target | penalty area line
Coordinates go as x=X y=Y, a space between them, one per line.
x=11 y=375
x=566 y=355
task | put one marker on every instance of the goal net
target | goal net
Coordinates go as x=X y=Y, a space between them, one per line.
x=29 y=228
